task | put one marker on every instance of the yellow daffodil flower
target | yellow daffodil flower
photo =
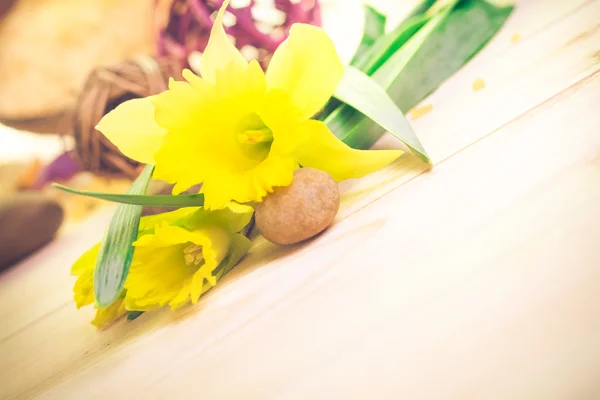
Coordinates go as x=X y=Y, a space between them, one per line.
x=237 y=130
x=178 y=256
x=83 y=268
x=175 y=263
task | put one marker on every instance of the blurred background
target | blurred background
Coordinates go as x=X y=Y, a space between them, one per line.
x=64 y=64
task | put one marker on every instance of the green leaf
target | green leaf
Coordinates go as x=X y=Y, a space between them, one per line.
x=422 y=7
x=240 y=245
x=159 y=200
x=452 y=36
x=131 y=315
x=365 y=95
x=373 y=30
x=450 y=42
x=116 y=250
x=368 y=61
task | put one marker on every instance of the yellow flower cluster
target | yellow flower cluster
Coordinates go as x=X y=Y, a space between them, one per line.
x=178 y=256
x=239 y=131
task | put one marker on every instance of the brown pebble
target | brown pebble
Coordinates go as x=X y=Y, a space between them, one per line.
x=300 y=211
x=27 y=222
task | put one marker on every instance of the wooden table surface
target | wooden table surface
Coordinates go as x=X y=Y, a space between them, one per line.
x=475 y=280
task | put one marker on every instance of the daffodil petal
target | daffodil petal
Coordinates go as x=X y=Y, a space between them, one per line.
x=215 y=244
x=327 y=153
x=235 y=217
x=197 y=289
x=306 y=65
x=219 y=51
x=83 y=268
x=152 y=221
x=161 y=272
x=164 y=235
x=107 y=315
x=194 y=79
x=183 y=298
x=232 y=218
x=161 y=275
x=251 y=185
x=203 y=121
x=278 y=110
x=282 y=117
x=157 y=276
x=177 y=107
x=132 y=128
x=241 y=88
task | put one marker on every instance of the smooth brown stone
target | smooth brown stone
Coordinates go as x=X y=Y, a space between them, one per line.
x=300 y=211
x=27 y=222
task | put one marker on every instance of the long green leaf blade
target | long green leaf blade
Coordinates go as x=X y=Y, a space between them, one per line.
x=132 y=315
x=453 y=35
x=365 y=95
x=159 y=200
x=374 y=29
x=380 y=51
x=459 y=35
x=369 y=59
x=116 y=250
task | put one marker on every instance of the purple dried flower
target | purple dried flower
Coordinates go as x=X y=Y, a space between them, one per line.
x=64 y=167
x=187 y=27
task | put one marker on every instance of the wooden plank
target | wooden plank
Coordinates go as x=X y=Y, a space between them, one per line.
x=478 y=280
x=519 y=77
x=441 y=131
x=30 y=279
x=544 y=64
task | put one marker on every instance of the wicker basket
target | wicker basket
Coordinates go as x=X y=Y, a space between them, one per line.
x=104 y=90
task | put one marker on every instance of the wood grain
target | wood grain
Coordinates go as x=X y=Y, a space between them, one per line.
x=474 y=280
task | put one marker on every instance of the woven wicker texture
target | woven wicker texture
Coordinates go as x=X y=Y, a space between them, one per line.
x=104 y=90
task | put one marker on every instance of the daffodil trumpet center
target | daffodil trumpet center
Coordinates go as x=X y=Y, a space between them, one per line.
x=193 y=254
x=254 y=136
